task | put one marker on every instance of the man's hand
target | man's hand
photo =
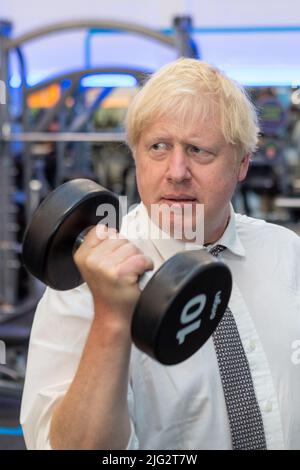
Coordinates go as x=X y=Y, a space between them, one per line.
x=111 y=266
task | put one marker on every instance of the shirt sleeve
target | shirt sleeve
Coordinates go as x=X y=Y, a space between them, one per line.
x=60 y=328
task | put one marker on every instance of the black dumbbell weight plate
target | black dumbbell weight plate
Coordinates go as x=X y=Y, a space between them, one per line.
x=51 y=235
x=181 y=306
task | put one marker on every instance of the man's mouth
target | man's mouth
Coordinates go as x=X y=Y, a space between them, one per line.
x=178 y=199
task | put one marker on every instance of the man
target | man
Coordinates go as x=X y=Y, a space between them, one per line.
x=191 y=131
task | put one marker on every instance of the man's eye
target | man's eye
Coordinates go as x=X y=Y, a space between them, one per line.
x=159 y=146
x=200 y=153
x=197 y=150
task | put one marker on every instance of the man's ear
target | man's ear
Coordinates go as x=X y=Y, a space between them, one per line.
x=243 y=168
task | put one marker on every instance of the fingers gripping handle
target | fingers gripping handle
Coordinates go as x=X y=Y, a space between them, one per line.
x=80 y=238
x=143 y=279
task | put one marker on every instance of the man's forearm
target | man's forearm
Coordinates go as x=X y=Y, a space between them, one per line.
x=94 y=412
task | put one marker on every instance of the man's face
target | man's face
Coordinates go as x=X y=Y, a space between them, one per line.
x=178 y=165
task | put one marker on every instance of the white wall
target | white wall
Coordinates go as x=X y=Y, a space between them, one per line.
x=244 y=56
x=27 y=14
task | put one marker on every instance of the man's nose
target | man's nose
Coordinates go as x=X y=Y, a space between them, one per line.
x=178 y=166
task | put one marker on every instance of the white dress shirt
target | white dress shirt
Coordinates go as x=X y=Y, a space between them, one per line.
x=182 y=406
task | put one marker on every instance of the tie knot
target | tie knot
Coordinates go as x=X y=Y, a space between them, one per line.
x=216 y=250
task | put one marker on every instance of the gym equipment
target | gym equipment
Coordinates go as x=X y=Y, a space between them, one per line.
x=56 y=226
x=20 y=131
x=180 y=306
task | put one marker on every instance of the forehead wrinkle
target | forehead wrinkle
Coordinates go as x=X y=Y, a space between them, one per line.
x=200 y=135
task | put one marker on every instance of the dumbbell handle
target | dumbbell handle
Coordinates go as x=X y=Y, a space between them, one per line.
x=80 y=238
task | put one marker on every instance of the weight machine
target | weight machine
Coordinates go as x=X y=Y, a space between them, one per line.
x=29 y=134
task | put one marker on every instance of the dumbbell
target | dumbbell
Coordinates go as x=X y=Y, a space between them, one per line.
x=180 y=306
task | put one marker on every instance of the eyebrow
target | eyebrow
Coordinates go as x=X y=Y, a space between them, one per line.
x=158 y=137
x=192 y=140
x=161 y=136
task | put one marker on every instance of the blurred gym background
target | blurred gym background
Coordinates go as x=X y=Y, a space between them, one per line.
x=67 y=74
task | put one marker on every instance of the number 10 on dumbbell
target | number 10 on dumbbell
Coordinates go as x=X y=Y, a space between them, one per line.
x=180 y=306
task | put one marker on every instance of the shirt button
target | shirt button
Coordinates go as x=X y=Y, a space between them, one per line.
x=252 y=345
x=268 y=406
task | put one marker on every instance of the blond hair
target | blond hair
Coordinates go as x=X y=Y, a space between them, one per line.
x=178 y=90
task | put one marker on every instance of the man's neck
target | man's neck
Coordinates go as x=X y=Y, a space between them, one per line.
x=212 y=238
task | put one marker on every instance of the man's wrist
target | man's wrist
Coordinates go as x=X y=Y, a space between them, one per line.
x=111 y=323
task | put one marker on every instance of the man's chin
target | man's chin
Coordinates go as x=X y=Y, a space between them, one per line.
x=178 y=205
x=181 y=221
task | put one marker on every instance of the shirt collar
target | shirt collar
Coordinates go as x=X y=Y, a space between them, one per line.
x=168 y=247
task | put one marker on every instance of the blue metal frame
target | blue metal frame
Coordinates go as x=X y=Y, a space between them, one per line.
x=240 y=29
x=204 y=30
x=11 y=431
